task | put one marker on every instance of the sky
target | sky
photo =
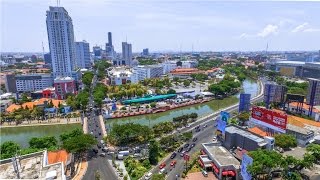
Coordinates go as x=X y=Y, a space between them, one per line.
x=163 y=25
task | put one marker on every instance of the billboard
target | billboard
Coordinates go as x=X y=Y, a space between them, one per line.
x=295 y=98
x=224 y=116
x=221 y=125
x=245 y=162
x=244 y=104
x=269 y=118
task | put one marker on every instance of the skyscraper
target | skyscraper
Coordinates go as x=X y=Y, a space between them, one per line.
x=61 y=41
x=126 y=54
x=83 y=54
x=109 y=46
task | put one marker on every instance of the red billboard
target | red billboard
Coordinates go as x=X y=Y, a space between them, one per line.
x=269 y=118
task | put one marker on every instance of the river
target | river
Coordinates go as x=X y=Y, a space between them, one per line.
x=22 y=135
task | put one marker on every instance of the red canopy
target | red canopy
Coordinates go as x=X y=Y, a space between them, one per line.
x=201 y=163
x=231 y=173
x=224 y=173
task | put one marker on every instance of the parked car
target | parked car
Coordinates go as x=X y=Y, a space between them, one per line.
x=194 y=139
x=180 y=149
x=163 y=171
x=193 y=145
x=182 y=153
x=162 y=165
x=204 y=173
x=214 y=139
x=102 y=154
x=173 y=155
x=189 y=149
x=186 y=145
x=148 y=176
x=174 y=162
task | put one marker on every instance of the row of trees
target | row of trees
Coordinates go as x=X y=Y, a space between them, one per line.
x=136 y=168
x=74 y=141
x=266 y=163
x=209 y=64
x=157 y=82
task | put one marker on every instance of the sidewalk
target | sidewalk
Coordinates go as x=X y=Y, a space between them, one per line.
x=103 y=126
x=54 y=121
x=81 y=171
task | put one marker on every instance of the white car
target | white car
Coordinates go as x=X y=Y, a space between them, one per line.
x=148 y=176
x=214 y=139
x=188 y=126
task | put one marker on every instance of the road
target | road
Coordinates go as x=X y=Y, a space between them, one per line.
x=205 y=135
x=96 y=162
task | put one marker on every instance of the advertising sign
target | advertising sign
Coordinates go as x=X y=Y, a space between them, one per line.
x=224 y=116
x=269 y=118
x=295 y=98
x=244 y=104
x=274 y=93
x=221 y=125
x=246 y=161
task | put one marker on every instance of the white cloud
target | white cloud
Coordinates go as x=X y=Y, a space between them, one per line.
x=268 y=30
x=300 y=28
x=311 y=30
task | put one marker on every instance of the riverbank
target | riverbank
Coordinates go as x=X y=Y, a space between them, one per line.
x=43 y=123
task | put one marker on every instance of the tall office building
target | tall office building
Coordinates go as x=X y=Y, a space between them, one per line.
x=313 y=96
x=126 y=54
x=109 y=46
x=61 y=41
x=83 y=54
x=145 y=52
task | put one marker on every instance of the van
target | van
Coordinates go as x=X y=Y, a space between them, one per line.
x=148 y=176
x=204 y=173
x=125 y=153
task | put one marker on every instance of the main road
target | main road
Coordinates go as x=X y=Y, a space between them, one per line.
x=205 y=135
x=97 y=163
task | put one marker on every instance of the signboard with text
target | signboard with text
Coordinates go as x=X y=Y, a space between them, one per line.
x=246 y=161
x=269 y=118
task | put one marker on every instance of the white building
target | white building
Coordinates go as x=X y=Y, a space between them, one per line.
x=121 y=75
x=169 y=66
x=82 y=54
x=126 y=54
x=33 y=82
x=189 y=64
x=148 y=71
x=61 y=41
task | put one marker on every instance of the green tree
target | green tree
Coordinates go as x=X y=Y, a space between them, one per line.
x=48 y=142
x=71 y=102
x=79 y=144
x=264 y=162
x=67 y=135
x=187 y=135
x=154 y=151
x=24 y=98
x=285 y=141
x=314 y=150
x=158 y=177
x=171 y=91
x=153 y=104
x=244 y=117
x=8 y=149
x=87 y=78
x=82 y=99
x=186 y=83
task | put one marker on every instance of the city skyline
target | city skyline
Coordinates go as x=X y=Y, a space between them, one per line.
x=165 y=26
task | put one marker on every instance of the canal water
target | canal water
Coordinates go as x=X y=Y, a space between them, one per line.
x=249 y=86
x=22 y=135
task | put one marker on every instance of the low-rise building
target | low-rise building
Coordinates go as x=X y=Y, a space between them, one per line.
x=185 y=72
x=238 y=137
x=121 y=75
x=33 y=82
x=218 y=159
x=305 y=109
x=64 y=85
x=148 y=71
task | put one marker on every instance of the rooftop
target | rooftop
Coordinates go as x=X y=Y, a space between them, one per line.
x=222 y=156
x=298 y=129
x=32 y=166
x=247 y=134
